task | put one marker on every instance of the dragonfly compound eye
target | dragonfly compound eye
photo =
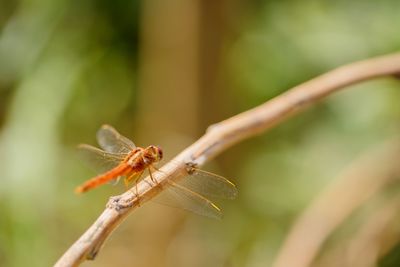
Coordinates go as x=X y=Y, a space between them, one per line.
x=159 y=153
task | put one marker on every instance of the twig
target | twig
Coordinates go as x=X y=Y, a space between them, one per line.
x=221 y=136
x=357 y=184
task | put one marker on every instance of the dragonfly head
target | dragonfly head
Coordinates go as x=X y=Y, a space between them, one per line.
x=156 y=152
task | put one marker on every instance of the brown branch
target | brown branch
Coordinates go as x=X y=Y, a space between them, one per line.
x=221 y=136
x=357 y=184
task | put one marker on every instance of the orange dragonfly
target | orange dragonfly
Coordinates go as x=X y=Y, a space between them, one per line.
x=119 y=157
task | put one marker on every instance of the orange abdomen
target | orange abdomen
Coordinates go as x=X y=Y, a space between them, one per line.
x=120 y=170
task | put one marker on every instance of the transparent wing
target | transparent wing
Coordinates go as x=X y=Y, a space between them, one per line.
x=98 y=159
x=112 y=141
x=209 y=184
x=177 y=196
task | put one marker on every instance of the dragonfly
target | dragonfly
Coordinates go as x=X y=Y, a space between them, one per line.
x=118 y=157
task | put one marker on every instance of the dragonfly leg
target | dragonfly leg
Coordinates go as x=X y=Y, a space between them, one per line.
x=134 y=177
x=126 y=182
x=151 y=175
x=157 y=169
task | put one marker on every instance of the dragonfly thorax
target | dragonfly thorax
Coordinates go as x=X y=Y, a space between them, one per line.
x=143 y=157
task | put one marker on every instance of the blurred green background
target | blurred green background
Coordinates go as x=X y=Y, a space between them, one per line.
x=161 y=72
